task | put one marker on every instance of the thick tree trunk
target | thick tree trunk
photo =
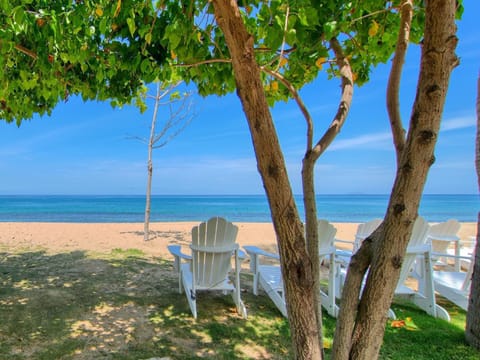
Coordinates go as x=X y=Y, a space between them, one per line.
x=472 y=330
x=296 y=267
x=365 y=325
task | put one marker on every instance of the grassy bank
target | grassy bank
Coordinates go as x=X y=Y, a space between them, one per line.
x=125 y=305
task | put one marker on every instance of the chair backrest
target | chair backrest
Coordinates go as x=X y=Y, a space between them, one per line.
x=418 y=239
x=446 y=228
x=213 y=243
x=443 y=229
x=326 y=237
x=364 y=230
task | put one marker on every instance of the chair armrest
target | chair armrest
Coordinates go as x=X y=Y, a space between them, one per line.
x=420 y=249
x=241 y=255
x=327 y=251
x=444 y=237
x=176 y=251
x=460 y=257
x=255 y=251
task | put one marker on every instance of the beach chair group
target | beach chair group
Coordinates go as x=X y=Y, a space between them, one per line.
x=209 y=266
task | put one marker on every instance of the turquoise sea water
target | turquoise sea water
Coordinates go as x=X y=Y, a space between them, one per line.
x=254 y=208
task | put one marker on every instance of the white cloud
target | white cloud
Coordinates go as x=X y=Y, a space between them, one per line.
x=378 y=140
x=458 y=123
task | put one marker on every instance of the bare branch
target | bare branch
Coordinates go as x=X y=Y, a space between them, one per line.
x=393 y=88
x=295 y=95
x=139 y=138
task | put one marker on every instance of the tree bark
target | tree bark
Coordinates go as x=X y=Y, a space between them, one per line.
x=308 y=179
x=295 y=264
x=388 y=245
x=472 y=329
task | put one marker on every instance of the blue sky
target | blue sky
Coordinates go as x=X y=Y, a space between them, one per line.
x=83 y=148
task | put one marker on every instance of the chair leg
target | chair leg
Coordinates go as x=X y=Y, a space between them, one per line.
x=236 y=292
x=332 y=307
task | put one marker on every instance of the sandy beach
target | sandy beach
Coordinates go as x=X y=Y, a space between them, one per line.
x=103 y=237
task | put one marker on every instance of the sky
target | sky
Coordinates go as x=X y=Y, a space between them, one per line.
x=87 y=148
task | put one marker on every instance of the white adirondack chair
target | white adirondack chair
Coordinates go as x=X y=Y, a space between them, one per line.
x=441 y=235
x=269 y=277
x=455 y=285
x=213 y=246
x=417 y=266
x=364 y=230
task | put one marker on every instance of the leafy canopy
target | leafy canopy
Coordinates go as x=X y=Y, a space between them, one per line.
x=100 y=50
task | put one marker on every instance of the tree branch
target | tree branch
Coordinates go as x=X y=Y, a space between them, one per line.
x=393 y=88
x=296 y=97
x=345 y=101
x=26 y=51
x=205 y=62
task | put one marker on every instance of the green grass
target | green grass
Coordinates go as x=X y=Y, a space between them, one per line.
x=126 y=305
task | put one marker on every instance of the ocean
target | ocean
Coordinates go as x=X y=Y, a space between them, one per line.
x=238 y=208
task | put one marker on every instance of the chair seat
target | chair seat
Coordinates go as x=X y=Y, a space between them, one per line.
x=271 y=275
x=225 y=285
x=454 y=285
x=453 y=279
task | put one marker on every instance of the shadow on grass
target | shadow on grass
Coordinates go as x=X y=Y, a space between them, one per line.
x=123 y=306
x=126 y=305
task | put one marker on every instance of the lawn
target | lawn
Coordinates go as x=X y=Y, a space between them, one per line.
x=126 y=305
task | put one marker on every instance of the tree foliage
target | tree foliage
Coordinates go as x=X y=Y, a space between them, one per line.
x=51 y=50
x=104 y=50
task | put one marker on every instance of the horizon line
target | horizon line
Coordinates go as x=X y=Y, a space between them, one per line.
x=217 y=195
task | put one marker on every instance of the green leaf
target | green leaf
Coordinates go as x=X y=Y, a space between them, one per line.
x=145 y=66
x=148 y=38
x=131 y=26
x=330 y=29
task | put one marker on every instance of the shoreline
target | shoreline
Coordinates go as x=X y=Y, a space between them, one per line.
x=56 y=237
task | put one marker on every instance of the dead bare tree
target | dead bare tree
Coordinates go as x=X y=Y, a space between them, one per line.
x=180 y=115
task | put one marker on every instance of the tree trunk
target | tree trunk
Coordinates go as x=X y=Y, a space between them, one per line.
x=311 y=156
x=295 y=264
x=472 y=331
x=360 y=330
x=151 y=142
x=146 y=225
x=311 y=233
